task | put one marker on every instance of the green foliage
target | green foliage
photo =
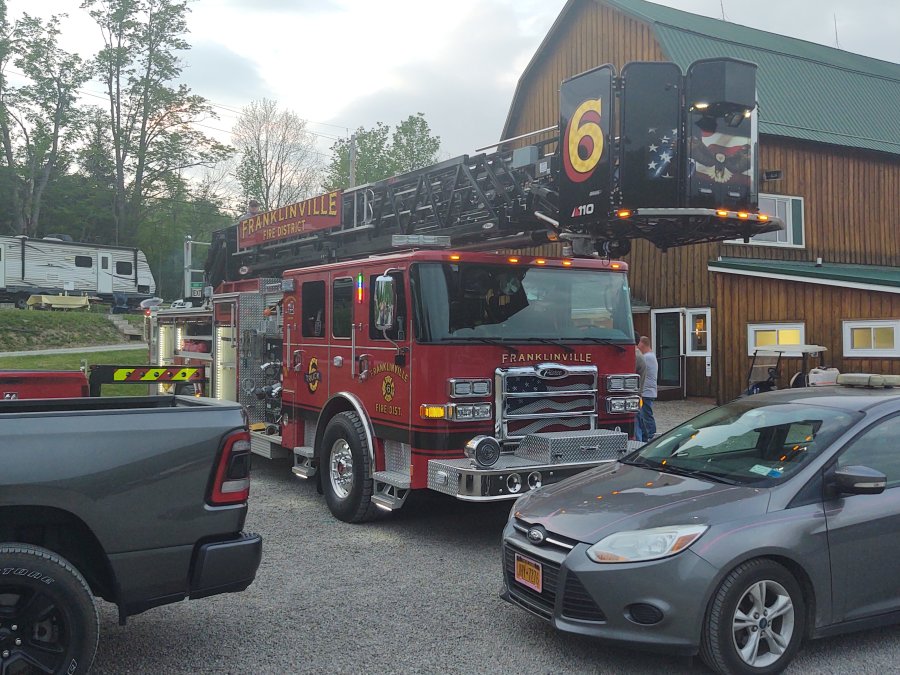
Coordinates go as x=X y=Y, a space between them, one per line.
x=381 y=153
x=39 y=121
x=150 y=124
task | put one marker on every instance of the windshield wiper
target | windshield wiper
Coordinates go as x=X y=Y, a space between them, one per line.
x=695 y=473
x=641 y=463
x=548 y=341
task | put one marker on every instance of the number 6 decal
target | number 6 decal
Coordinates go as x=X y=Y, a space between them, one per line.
x=583 y=141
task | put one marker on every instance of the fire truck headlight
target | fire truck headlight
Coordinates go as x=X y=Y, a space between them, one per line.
x=469 y=388
x=623 y=404
x=482 y=411
x=465 y=412
x=484 y=450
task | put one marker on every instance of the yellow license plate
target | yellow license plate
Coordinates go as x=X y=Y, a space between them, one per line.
x=529 y=573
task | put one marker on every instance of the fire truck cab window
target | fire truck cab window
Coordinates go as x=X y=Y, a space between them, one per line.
x=312 y=306
x=471 y=301
x=400 y=312
x=342 y=308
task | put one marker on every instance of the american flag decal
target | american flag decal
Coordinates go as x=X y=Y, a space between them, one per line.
x=662 y=153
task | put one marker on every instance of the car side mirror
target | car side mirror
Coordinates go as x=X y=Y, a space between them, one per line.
x=858 y=480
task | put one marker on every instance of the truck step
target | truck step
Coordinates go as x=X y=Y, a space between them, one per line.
x=303 y=462
x=304 y=451
x=395 y=478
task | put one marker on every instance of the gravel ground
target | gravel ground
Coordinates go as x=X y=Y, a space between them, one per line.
x=414 y=593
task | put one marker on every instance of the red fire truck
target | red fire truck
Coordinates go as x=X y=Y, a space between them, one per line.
x=388 y=338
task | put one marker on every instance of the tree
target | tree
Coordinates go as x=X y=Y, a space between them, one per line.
x=277 y=155
x=411 y=146
x=38 y=119
x=150 y=119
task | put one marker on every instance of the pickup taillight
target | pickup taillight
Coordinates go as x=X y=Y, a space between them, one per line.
x=231 y=484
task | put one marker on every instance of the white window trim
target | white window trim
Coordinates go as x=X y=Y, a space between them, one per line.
x=848 y=327
x=788 y=225
x=774 y=325
x=689 y=329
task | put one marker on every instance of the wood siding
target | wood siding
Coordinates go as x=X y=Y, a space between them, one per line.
x=821 y=308
x=851 y=213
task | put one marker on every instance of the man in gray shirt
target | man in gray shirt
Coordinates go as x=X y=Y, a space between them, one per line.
x=641 y=369
x=648 y=391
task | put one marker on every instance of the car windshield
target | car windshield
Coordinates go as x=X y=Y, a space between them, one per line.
x=468 y=301
x=746 y=442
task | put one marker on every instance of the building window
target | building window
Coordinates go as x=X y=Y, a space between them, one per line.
x=84 y=261
x=123 y=269
x=775 y=335
x=875 y=338
x=791 y=211
x=697 y=343
x=342 y=308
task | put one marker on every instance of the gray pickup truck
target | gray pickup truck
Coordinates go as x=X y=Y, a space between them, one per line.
x=140 y=501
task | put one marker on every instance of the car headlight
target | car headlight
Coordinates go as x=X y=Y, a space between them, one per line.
x=639 y=545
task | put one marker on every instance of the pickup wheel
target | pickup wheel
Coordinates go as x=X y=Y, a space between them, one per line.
x=346 y=469
x=48 y=620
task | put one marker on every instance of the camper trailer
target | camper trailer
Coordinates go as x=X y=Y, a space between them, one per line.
x=52 y=266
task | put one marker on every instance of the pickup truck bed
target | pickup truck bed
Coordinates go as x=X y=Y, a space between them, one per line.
x=144 y=497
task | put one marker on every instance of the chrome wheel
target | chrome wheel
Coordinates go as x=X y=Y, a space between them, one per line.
x=341 y=468
x=763 y=623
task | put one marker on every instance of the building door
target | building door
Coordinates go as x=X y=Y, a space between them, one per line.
x=104 y=273
x=667 y=330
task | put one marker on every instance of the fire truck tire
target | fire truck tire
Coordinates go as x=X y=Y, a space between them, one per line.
x=48 y=611
x=346 y=469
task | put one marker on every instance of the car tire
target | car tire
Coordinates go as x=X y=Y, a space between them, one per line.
x=21 y=302
x=346 y=469
x=47 y=612
x=755 y=622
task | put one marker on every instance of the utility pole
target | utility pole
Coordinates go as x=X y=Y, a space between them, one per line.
x=352 y=160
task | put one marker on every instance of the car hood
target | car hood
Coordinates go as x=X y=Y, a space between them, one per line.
x=618 y=497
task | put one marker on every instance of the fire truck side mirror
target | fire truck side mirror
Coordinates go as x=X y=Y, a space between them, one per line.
x=385 y=302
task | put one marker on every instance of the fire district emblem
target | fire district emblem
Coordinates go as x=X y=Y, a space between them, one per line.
x=313 y=376
x=387 y=388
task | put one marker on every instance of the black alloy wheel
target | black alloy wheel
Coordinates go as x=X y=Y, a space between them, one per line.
x=48 y=620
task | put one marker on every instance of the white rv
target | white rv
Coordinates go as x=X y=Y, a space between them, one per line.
x=51 y=266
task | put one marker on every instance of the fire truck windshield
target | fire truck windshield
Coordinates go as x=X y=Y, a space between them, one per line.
x=468 y=301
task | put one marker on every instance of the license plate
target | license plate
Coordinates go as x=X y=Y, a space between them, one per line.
x=529 y=573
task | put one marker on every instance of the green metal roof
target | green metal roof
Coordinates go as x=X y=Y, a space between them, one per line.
x=833 y=274
x=806 y=90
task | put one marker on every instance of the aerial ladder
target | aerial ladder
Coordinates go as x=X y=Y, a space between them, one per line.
x=652 y=154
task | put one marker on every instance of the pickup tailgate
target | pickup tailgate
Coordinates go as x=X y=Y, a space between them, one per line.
x=139 y=471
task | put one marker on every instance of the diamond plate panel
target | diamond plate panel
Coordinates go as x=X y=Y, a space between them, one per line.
x=309 y=434
x=575 y=446
x=397 y=457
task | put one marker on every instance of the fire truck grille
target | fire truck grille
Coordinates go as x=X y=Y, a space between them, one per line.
x=545 y=398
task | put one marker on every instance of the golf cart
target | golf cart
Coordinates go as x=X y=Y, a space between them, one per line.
x=763 y=374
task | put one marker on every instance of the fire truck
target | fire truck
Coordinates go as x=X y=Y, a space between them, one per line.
x=392 y=336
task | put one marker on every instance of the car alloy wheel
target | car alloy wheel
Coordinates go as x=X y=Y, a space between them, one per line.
x=763 y=624
x=341 y=468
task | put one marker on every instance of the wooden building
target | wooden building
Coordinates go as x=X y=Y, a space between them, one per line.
x=829 y=123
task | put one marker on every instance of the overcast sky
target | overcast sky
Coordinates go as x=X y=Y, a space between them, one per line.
x=342 y=64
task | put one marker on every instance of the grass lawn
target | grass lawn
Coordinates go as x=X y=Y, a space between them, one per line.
x=130 y=357
x=23 y=330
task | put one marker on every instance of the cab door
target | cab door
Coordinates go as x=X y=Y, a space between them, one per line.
x=306 y=347
x=863 y=530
